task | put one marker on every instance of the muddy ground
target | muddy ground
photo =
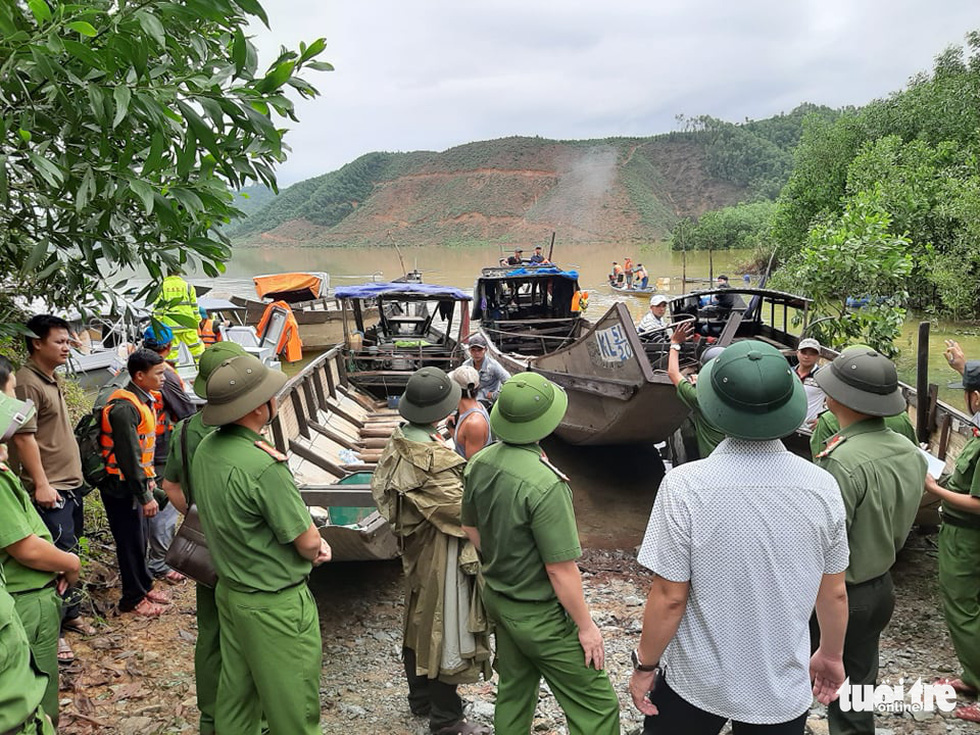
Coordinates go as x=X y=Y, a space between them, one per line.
x=136 y=676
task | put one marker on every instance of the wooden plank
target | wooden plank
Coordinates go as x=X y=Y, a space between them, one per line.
x=944 y=436
x=933 y=399
x=311 y=403
x=301 y=417
x=611 y=387
x=361 y=467
x=328 y=373
x=338 y=496
x=321 y=399
x=922 y=382
x=361 y=400
x=278 y=435
x=335 y=436
x=316 y=458
x=334 y=408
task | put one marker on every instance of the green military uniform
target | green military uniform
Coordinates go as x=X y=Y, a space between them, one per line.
x=251 y=513
x=959 y=554
x=522 y=508
x=828 y=425
x=207 y=649
x=22 y=684
x=708 y=436
x=881 y=477
x=33 y=591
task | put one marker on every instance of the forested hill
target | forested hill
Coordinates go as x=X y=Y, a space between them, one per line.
x=522 y=189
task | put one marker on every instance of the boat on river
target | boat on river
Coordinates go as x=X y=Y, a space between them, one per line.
x=633 y=290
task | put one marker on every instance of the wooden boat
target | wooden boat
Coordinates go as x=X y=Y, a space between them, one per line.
x=617 y=383
x=634 y=290
x=333 y=435
x=416 y=325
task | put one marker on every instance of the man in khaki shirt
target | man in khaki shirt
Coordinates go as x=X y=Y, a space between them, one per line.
x=50 y=466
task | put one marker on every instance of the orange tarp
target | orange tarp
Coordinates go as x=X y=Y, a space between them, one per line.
x=305 y=286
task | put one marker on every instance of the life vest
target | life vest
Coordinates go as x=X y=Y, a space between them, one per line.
x=580 y=301
x=177 y=297
x=165 y=422
x=628 y=265
x=145 y=433
x=289 y=341
x=206 y=332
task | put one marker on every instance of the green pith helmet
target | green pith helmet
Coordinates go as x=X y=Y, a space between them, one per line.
x=238 y=386
x=865 y=381
x=971 y=377
x=528 y=408
x=749 y=392
x=213 y=356
x=429 y=396
x=14 y=413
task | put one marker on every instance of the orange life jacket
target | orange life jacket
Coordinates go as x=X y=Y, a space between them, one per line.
x=628 y=265
x=165 y=422
x=145 y=433
x=206 y=332
x=580 y=301
x=290 y=345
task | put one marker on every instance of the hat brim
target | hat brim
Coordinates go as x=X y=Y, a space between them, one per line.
x=227 y=413
x=530 y=431
x=430 y=414
x=870 y=404
x=774 y=423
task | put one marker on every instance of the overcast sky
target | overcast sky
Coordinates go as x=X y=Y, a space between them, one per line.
x=432 y=74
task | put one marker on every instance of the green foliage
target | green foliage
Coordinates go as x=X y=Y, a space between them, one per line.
x=742 y=226
x=122 y=128
x=857 y=255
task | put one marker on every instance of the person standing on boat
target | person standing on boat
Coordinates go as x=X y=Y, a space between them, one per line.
x=807 y=356
x=616 y=274
x=418 y=488
x=708 y=435
x=959 y=543
x=50 y=464
x=517 y=510
x=752 y=523
x=176 y=306
x=538 y=257
x=492 y=373
x=881 y=477
x=641 y=276
x=470 y=427
x=517 y=258
x=264 y=546
x=656 y=319
x=172 y=405
x=628 y=271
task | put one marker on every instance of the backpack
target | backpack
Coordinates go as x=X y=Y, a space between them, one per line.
x=88 y=429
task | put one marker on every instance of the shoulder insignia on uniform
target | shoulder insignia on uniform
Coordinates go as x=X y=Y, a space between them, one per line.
x=271 y=450
x=546 y=463
x=976 y=432
x=832 y=445
x=4 y=467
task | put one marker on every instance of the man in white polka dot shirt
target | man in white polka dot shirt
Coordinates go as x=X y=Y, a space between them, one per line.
x=743 y=546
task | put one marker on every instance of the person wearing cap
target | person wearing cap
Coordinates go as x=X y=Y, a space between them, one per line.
x=187 y=435
x=470 y=426
x=127 y=438
x=752 y=523
x=492 y=373
x=881 y=477
x=959 y=543
x=172 y=405
x=708 y=435
x=517 y=258
x=46 y=450
x=655 y=319
x=517 y=510
x=263 y=545
x=538 y=257
x=36 y=570
x=807 y=359
x=418 y=487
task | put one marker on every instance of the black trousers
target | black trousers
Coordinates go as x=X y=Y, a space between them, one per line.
x=66 y=527
x=431 y=697
x=677 y=715
x=125 y=518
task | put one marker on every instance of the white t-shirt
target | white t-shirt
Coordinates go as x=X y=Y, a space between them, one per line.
x=753 y=528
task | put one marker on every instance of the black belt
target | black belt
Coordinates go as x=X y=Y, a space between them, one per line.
x=879 y=578
x=52 y=583
x=949 y=520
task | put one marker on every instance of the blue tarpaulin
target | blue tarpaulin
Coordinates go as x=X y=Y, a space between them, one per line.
x=395 y=290
x=553 y=271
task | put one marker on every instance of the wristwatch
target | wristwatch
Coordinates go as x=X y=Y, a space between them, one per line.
x=675 y=346
x=637 y=666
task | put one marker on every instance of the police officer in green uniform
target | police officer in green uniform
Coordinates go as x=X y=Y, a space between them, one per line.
x=517 y=509
x=708 y=435
x=264 y=545
x=36 y=570
x=881 y=476
x=189 y=433
x=22 y=684
x=959 y=550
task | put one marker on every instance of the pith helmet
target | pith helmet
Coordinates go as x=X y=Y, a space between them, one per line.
x=429 y=396
x=14 y=413
x=865 y=381
x=750 y=392
x=528 y=408
x=238 y=386
x=971 y=377
x=213 y=356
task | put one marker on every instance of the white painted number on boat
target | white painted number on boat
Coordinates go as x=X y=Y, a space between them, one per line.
x=613 y=345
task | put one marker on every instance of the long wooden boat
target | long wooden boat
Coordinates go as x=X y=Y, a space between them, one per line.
x=634 y=290
x=415 y=325
x=333 y=436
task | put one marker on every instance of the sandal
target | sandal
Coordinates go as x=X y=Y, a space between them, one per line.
x=174 y=577
x=65 y=655
x=78 y=625
x=968 y=712
x=464 y=728
x=159 y=597
x=147 y=609
x=959 y=686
